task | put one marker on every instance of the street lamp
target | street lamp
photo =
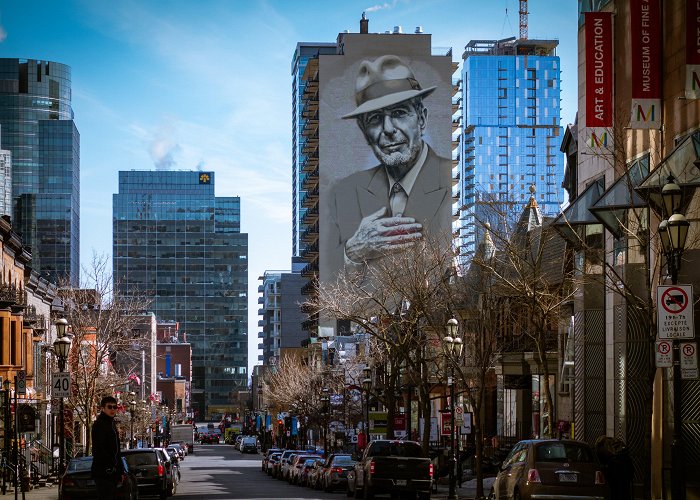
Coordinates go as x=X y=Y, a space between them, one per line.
x=453 y=350
x=366 y=384
x=325 y=408
x=673 y=233
x=61 y=348
x=132 y=411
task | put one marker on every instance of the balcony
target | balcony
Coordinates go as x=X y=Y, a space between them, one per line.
x=11 y=296
x=309 y=252
x=310 y=181
x=310 y=217
x=261 y=323
x=310 y=234
x=310 y=288
x=310 y=163
x=310 y=270
x=309 y=198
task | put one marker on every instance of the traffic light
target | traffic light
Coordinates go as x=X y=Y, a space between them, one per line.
x=280 y=425
x=288 y=423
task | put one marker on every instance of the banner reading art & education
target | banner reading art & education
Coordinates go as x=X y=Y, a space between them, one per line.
x=645 y=33
x=599 y=79
x=692 y=49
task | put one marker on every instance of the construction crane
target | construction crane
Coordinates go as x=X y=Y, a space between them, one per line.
x=523 y=19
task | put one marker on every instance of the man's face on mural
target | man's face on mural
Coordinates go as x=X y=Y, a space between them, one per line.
x=395 y=133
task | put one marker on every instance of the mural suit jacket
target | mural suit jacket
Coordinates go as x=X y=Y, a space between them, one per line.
x=364 y=192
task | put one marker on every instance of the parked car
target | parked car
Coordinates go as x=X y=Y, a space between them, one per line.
x=314 y=478
x=390 y=466
x=249 y=444
x=77 y=481
x=550 y=468
x=275 y=466
x=303 y=477
x=178 y=449
x=297 y=466
x=287 y=456
x=335 y=471
x=153 y=470
x=266 y=458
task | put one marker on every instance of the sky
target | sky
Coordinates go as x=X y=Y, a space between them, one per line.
x=206 y=84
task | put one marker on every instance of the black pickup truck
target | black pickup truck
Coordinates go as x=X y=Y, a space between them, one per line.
x=388 y=466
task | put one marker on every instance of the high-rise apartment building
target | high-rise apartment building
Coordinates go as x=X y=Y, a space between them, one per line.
x=510 y=134
x=178 y=244
x=5 y=181
x=36 y=119
x=304 y=123
x=280 y=311
x=335 y=87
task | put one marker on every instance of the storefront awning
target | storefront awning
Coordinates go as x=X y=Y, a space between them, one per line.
x=613 y=206
x=683 y=164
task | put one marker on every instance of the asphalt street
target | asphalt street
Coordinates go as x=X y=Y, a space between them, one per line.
x=220 y=472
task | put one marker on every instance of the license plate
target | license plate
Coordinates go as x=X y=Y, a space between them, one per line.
x=90 y=482
x=568 y=478
x=401 y=482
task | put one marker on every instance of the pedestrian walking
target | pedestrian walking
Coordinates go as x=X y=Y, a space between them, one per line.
x=107 y=465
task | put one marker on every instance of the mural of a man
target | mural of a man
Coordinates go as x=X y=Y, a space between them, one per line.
x=405 y=198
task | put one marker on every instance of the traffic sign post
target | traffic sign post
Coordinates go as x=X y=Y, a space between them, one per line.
x=674 y=305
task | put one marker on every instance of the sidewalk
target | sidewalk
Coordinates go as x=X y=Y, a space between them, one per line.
x=41 y=493
x=466 y=492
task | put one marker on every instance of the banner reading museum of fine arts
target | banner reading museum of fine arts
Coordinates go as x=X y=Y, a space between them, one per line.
x=599 y=80
x=692 y=49
x=645 y=33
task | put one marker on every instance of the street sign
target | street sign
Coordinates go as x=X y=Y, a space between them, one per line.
x=664 y=354
x=21 y=384
x=689 y=360
x=674 y=305
x=60 y=385
x=467 y=423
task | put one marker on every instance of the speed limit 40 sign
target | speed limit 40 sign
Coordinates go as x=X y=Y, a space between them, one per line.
x=60 y=385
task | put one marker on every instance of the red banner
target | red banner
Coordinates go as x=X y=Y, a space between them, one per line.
x=692 y=49
x=599 y=69
x=645 y=31
x=692 y=32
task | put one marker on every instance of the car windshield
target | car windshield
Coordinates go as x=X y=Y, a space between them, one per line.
x=557 y=452
x=80 y=464
x=343 y=460
x=395 y=448
x=137 y=459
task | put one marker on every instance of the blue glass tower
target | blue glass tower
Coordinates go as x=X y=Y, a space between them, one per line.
x=178 y=244
x=37 y=127
x=511 y=134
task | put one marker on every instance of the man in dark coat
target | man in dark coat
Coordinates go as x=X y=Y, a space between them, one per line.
x=107 y=466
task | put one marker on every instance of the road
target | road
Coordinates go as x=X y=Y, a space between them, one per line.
x=219 y=472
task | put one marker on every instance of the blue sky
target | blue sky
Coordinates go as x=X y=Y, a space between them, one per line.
x=206 y=84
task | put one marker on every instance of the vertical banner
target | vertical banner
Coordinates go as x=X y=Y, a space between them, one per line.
x=692 y=49
x=599 y=79
x=645 y=33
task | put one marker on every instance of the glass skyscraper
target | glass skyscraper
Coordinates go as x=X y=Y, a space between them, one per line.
x=37 y=127
x=179 y=245
x=510 y=134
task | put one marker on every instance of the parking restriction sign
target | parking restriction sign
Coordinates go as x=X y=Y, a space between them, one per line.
x=664 y=354
x=689 y=360
x=674 y=305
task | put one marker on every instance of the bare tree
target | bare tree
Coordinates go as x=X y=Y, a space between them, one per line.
x=101 y=323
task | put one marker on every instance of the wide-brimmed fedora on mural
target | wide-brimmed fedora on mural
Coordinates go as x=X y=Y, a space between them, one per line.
x=385 y=81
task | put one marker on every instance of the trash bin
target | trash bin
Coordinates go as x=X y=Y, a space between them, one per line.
x=617 y=466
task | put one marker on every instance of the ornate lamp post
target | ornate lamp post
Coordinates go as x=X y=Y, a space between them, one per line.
x=61 y=348
x=366 y=385
x=453 y=350
x=673 y=233
x=325 y=408
x=132 y=411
